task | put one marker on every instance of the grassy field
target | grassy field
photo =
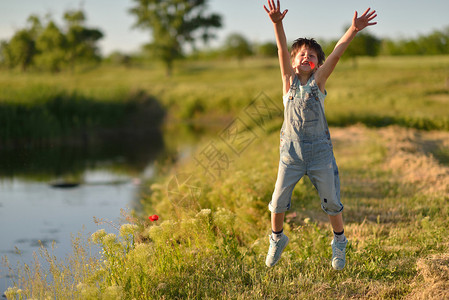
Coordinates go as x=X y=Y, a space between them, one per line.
x=211 y=238
x=410 y=91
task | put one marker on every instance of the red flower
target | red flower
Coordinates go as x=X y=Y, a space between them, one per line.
x=312 y=65
x=153 y=218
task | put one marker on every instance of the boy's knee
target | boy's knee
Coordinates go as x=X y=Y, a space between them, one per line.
x=274 y=207
x=332 y=208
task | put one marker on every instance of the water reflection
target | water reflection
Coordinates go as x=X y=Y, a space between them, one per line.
x=122 y=154
x=104 y=179
x=34 y=214
x=109 y=177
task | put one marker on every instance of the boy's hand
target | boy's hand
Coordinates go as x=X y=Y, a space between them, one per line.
x=275 y=12
x=364 y=20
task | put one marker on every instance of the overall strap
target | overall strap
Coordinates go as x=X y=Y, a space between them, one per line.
x=293 y=88
x=314 y=88
x=315 y=91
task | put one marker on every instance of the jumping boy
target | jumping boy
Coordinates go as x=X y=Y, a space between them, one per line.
x=305 y=145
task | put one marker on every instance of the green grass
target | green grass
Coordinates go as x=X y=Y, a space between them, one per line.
x=52 y=115
x=212 y=236
x=409 y=91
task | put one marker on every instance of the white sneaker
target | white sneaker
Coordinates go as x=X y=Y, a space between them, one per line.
x=275 y=250
x=338 y=254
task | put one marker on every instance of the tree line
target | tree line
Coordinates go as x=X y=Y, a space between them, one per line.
x=175 y=26
x=364 y=44
x=43 y=45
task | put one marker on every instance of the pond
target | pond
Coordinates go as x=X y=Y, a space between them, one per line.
x=49 y=194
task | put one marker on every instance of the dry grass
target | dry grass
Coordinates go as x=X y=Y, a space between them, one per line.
x=411 y=157
x=416 y=160
x=433 y=279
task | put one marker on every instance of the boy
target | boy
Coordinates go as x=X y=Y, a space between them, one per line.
x=306 y=148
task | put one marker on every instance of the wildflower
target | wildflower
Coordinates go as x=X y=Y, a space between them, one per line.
x=153 y=218
x=190 y=222
x=113 y=292
x=154 y=232
x=87 y=292
x=11 y=292
x=109 y=239
x=142 y=248
x=204 y=213
x=140 y=253
x=169 y=225
x=97 y=236
x=224 y=219
x=127 y=229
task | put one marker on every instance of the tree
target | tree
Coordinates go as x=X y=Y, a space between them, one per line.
x=80 y=40
x=50 y=48
x=268 y=49
x=174 y=23
x=237 y=46
x=435 y=43
x=364 y=44
x=50 y=45
x=20 y=50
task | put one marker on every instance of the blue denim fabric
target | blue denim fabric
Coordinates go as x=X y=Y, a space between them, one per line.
x=306 y=149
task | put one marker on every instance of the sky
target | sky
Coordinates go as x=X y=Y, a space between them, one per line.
x=324 y=19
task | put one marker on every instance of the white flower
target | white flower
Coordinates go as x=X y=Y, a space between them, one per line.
x=224 y=219
x=97 y=236
x=141 y=252
x=204 y=213
x=11 y=292
x=128 y=229
x=109 y=239
x=154 y=231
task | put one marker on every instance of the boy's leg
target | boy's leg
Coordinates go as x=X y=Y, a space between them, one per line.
x=337 y=222
x=327 y=183
x=277 y=221
x=337 y=226
x=289 y=173
x=278 y=240
x=287 y=178
x=338 y=243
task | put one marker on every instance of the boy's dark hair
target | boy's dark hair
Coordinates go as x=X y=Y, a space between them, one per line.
x=309 y=43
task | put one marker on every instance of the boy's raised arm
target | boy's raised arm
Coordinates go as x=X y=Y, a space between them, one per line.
x=276 y=17
x=358 y=23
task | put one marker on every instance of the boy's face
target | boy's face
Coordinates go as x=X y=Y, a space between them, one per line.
x=306 y=60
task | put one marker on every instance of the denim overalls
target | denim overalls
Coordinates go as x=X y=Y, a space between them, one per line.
x=306 y=149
